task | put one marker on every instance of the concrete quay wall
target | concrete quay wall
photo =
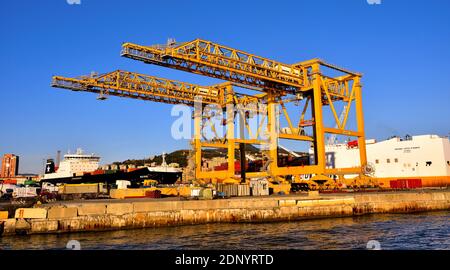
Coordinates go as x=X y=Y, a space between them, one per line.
x=123 y=214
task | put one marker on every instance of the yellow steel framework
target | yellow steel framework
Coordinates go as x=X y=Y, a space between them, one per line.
x=138 y=86
x=207 y=58
x=278 y=80
x=279 y=83
x=134 y=85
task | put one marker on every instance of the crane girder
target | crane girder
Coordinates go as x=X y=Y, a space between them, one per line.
x=145 y=87
x=218 y=61
x=138 y=86
x=214 y=60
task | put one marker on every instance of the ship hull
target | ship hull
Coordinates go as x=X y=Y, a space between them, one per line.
x=135 y=177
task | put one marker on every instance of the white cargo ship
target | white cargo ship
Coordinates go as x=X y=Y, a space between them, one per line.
x=84 y=168
x=425 y=158
x=72 y=165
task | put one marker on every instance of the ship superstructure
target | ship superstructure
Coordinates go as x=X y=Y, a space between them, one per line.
x=73 y=165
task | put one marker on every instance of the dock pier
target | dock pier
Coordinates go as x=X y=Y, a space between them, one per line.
x=104 y=215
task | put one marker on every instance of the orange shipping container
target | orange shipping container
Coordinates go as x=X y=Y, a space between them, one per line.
x=97 y=172
x=10 y=181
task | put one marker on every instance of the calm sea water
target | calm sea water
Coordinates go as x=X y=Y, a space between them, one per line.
x=412 y=231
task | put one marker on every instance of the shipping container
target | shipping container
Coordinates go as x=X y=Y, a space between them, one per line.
x=393 y=184
x=234 y=190
x=259 y=187
x=206 y=194
x=195 y=192
x=153 y=194
x=98 y=172
x=24 y=192
x=78 y=188
x=10 y=181
x=406 y=183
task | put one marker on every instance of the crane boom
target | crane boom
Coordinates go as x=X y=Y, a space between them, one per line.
x=214 y=60
x=145 y=87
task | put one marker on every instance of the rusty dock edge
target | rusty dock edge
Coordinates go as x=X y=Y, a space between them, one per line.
x=123 y=214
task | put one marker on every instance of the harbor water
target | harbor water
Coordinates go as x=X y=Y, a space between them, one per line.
x=429 y=230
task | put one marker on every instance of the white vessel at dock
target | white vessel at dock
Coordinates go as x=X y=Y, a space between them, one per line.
x=164 y=167
x=84 y=168
x=424 y=157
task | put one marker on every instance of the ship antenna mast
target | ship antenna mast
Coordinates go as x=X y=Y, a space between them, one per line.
x=163 y=159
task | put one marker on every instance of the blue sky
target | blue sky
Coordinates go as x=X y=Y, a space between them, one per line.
x=402 y=47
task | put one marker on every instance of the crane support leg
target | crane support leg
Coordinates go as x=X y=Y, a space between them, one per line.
x=242 y=151
x=360 y=122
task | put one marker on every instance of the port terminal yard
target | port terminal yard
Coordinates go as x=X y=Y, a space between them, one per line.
x=309 y=86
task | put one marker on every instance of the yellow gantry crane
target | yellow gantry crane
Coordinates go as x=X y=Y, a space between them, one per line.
x=311 y=87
